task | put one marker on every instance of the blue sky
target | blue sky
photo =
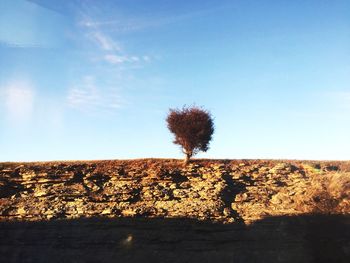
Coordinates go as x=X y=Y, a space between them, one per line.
x=86 y=79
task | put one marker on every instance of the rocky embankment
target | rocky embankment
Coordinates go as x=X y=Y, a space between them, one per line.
x=220 y=191
x=159 y=211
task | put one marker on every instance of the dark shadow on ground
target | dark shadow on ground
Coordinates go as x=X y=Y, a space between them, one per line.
x=275 y=239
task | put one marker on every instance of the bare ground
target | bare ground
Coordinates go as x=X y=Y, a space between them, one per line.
x=157 y=210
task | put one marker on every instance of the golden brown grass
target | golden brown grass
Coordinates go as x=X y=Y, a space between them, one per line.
x=329 y=193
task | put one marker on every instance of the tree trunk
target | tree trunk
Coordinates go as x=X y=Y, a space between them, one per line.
x=187 y=158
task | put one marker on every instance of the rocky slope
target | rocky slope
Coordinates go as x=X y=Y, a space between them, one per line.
x=159 y=211
x=224 y=191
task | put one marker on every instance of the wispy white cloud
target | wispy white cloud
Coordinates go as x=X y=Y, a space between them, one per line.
x=18 y=99
x=125 y=23
x=108 y=45
x=112 y=51
x=103 y=41
x=114 y=25
x=117 y=59
x=87 y=97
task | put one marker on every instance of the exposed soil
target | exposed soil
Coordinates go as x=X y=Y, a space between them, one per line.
x=151 y=209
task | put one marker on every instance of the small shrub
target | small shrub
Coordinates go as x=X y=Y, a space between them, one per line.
x=193 y=128
x=327 y=194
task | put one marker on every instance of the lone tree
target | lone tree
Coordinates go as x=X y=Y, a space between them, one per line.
x=193 y=128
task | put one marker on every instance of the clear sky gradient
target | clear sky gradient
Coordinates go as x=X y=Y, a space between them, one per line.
x=84 y=79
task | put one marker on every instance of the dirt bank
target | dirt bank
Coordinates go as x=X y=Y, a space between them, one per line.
x=241 y=211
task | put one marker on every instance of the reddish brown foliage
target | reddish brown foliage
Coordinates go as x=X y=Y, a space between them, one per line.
x=193 y=128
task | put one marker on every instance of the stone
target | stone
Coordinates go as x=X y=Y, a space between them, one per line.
x=227 y=211
x=216 y=191
x=107 y=211
x=21 y=211
x=39 y=193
